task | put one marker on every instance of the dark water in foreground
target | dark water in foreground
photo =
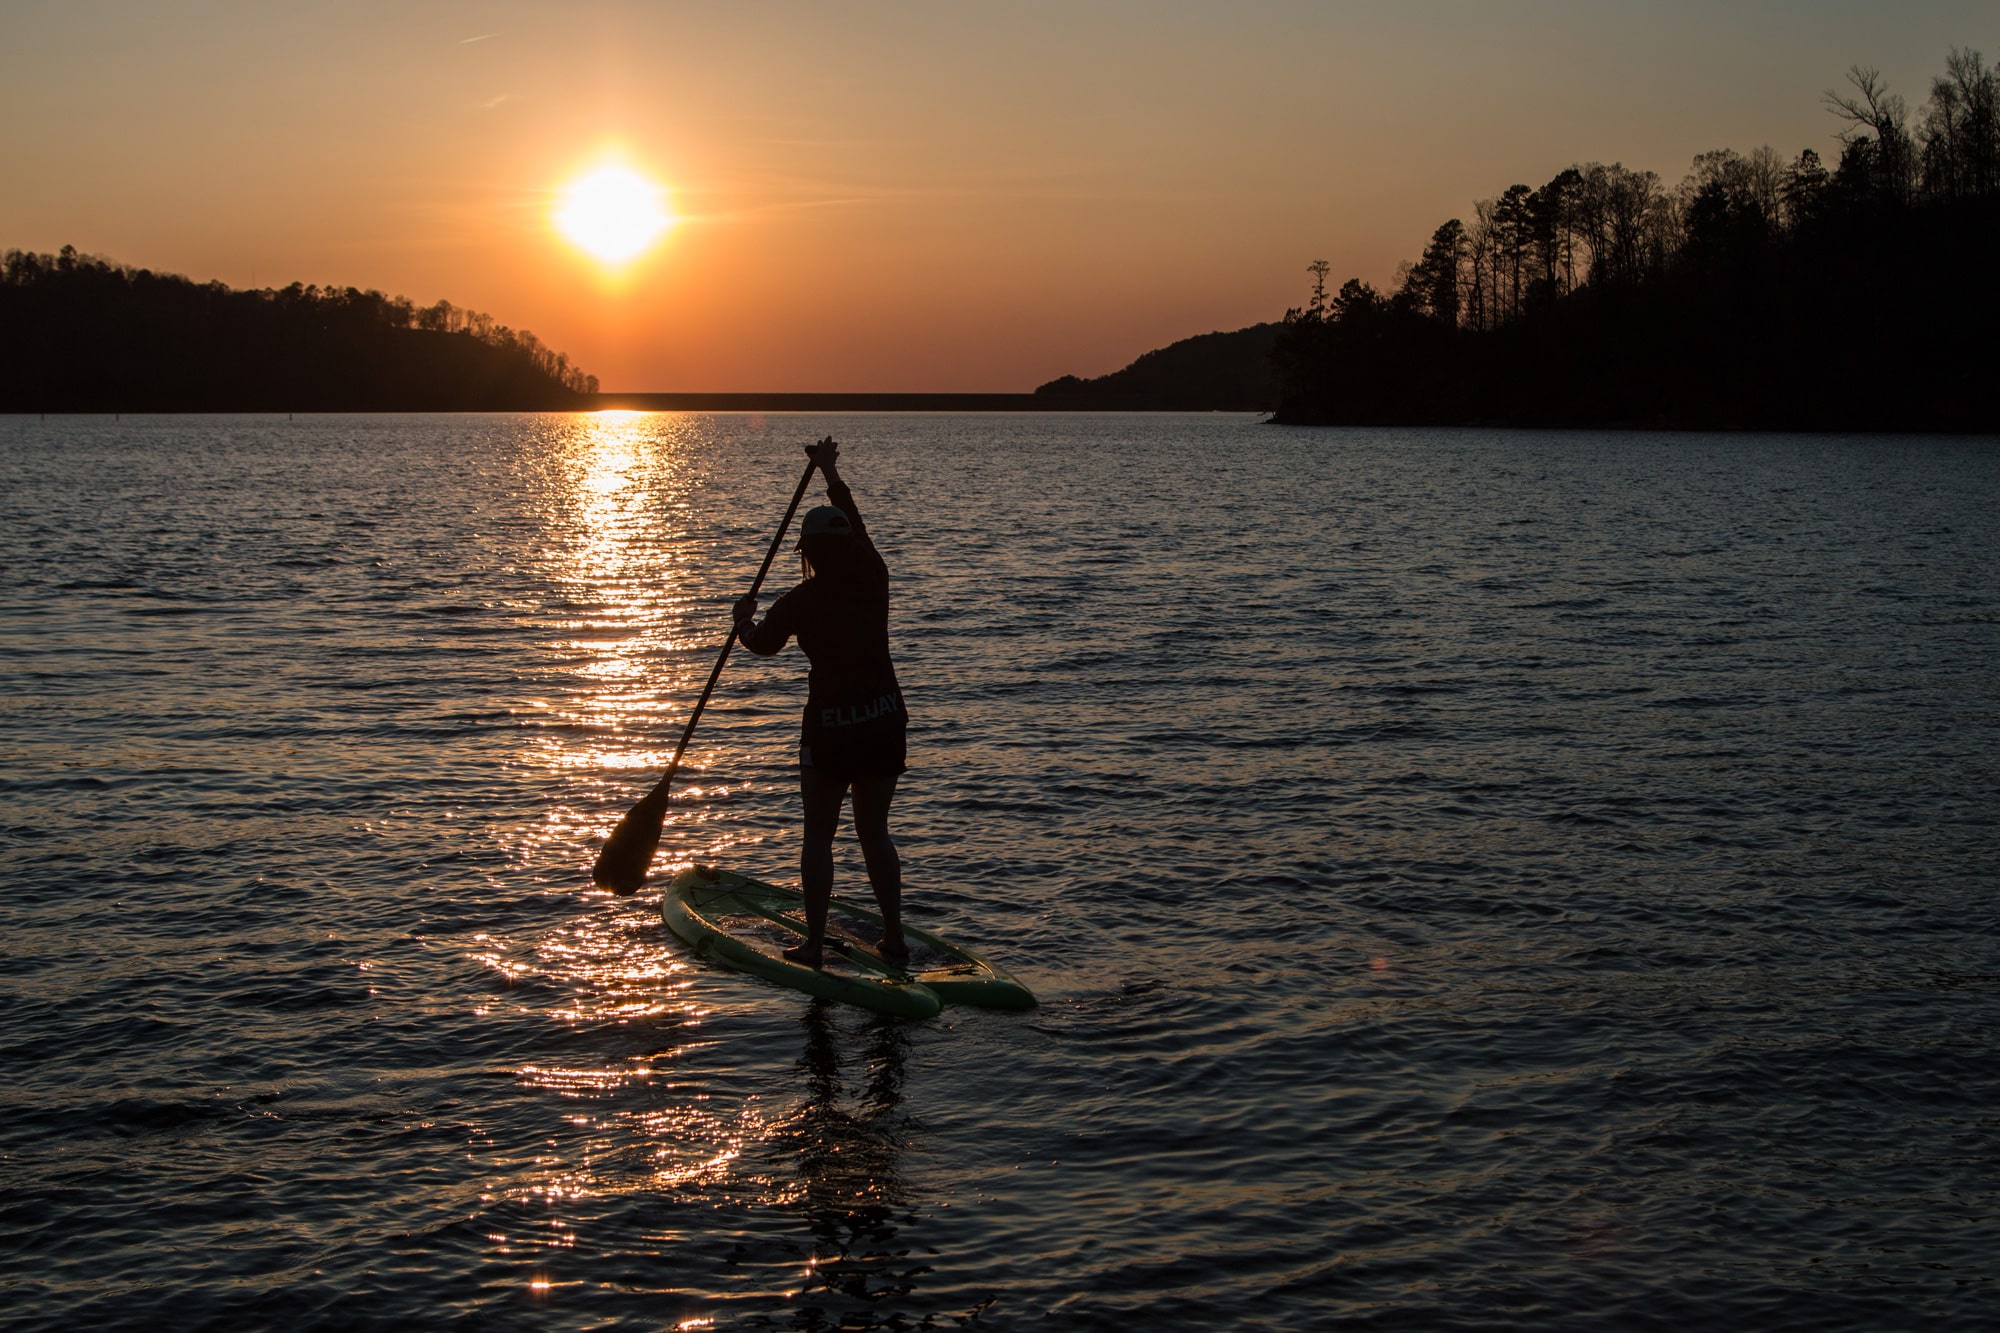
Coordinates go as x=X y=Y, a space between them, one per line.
x=1473 y=879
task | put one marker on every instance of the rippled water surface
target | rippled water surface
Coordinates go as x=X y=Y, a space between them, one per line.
x=1472 y=879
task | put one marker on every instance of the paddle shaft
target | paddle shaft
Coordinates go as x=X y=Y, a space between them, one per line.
x=658 y=796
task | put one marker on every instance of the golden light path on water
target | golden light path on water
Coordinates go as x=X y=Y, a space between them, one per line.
x=614 y=498
x=637 y=1109
x=630 y=551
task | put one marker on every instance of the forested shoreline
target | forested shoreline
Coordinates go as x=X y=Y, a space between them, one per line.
x=1758 y=293
x=83 y=334
x=1210 y=372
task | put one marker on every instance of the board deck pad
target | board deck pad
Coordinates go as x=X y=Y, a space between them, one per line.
x=747 y=925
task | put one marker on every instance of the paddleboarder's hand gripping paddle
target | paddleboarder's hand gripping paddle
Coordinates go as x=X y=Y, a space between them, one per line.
x=621 y=866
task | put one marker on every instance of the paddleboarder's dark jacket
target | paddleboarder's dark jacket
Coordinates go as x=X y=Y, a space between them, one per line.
x=840 y=617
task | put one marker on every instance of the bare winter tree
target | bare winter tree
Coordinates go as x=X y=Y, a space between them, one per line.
x=1961 y=130
x=1879 y=154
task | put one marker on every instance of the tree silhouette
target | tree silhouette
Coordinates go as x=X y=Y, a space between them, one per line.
x=79 y=333
x=1878 y=156
x=1960 y=131
x=1755 y=293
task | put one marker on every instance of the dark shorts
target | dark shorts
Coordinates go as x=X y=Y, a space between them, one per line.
x=871 y=753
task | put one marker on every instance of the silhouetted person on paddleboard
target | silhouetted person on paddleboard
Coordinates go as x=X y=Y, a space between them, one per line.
x=854 y=730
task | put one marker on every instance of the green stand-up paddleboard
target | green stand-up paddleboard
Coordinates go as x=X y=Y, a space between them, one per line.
x=747 y=925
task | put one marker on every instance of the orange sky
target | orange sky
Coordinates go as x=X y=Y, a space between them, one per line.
x=889 y=197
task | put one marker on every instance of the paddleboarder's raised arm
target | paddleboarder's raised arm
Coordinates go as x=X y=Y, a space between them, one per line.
x=827 y=454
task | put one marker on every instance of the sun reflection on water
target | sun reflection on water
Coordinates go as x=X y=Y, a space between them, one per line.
x=631 y=625
x=626 y=475
x=625 y=641
x=626 y=629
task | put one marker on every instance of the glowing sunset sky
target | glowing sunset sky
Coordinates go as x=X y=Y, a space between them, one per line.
x=922 y=196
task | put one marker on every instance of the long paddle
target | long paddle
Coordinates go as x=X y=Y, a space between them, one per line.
x=621 y=866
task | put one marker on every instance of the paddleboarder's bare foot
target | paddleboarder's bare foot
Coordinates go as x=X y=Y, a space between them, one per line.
x=895 y=949
x=805 y=956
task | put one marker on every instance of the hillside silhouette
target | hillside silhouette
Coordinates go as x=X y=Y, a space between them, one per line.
x=1758 y=293
x=1209 y=372
x=83 y=334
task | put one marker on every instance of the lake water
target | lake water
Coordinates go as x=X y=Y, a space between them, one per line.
x=1472 y=879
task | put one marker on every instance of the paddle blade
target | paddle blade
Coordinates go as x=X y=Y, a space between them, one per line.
x=621 y=866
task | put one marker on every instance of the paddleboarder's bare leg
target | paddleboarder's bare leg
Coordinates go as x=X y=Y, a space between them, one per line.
x=885 y=867
x=822 y=795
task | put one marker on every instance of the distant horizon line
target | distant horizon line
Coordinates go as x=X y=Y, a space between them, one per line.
x=861 y=402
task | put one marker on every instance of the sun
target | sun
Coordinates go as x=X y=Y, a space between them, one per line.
x=613 y=213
